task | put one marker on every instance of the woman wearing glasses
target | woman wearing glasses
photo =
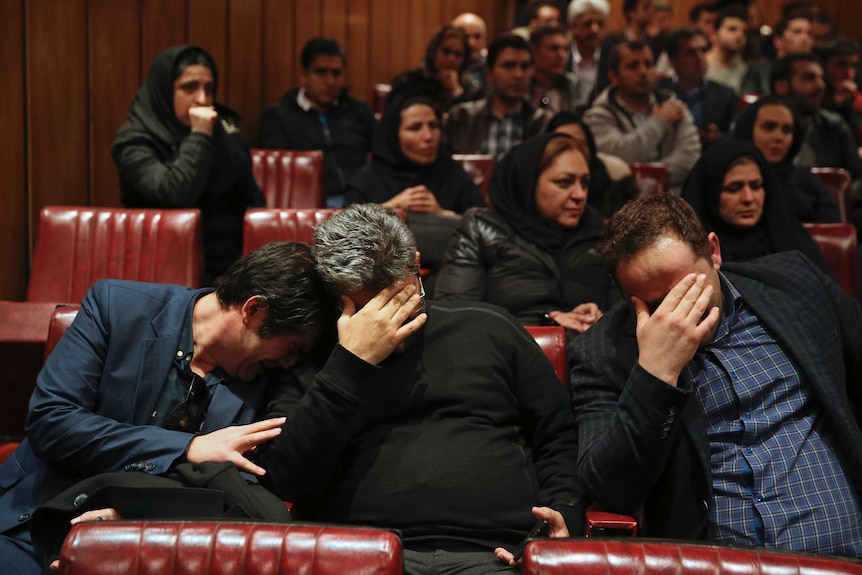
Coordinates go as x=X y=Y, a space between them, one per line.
x=730 y=188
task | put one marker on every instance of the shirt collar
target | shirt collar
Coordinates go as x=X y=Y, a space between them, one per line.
x=576 y=55
x=303 y=102
x=733 y=302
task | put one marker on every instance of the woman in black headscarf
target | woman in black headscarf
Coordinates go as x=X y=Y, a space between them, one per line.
x=773 y=126
x=408 y=169
x=533 y=252
x=439 y=77
x=730 y=187
x=611 y=181
x=181 y=149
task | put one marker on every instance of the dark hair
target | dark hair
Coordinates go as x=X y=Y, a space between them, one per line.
x=282 y=275
x=837 y=46
x=194 y=56
x=320 y=46
x=630 y=45
x=439 y=36
x=564 y=118
x=698 y=9
x=743 y=128
x=732 y=11
x=782 y=70
x=535 y=5
x=502 y=43
x=629 y=6
x=784 y=23
x=639 y=223
x=540 y=33
x=678 y=36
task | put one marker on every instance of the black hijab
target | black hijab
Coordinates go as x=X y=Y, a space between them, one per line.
x=744 y=130
x=391 y=172
x=513 y=196
x=153 y=106
x=777 y=231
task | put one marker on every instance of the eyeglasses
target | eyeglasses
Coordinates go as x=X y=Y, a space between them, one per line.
x=189 y=415
x=421 y=308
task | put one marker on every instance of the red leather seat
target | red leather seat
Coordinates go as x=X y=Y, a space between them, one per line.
x=381 y=95
x=605 y=557
x=838 y=181
x=552 y=340
x=61 y=319
x=839 y=246
x=480 y=168
x=289 y=178
x=264 y=225
x=6 y=450
x=76 y=246
x=213 y=548
x=651 y=179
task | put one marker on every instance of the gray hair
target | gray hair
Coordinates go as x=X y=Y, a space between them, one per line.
x=364 y=247
x=578 y=7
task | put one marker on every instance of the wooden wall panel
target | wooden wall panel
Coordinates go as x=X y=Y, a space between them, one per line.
x=207 y=28
x=56 y=74
x=279 y=59
x=13 y=198
x=399 y=39
x=163 y=24
x=379 y=65
x=334 y=22
x=358 y=46
x=115 y=74
x=243 y=78
x=308 y=24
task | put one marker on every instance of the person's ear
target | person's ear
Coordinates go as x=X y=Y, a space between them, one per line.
x=254 y=312
x=714 y=250
x=418 y=258
x=613 y=77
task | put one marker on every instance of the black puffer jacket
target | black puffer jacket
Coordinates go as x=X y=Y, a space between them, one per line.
x=487 y=261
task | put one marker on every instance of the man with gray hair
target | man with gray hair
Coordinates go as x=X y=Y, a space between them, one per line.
x=441 y=420
x=586 y=19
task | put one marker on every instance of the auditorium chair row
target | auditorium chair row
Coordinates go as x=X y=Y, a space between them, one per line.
x=213 y=548
x=200 y=547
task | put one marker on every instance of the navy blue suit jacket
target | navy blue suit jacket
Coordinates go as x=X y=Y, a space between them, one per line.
x=628 y=460
x=91 y=409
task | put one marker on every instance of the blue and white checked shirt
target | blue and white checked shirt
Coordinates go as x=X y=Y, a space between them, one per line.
x=777 y=478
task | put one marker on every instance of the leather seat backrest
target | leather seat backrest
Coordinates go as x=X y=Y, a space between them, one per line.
x=593 y=556
x=838 y=182
x=289 y=178
x=215 y=548
x=552 y=340
x=651 y=179
x=77 y=246
x=838 y=244
x=480 y=168
x=262 y=226
x=61 y=319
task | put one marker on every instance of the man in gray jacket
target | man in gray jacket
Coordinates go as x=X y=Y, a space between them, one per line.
x=504 y=119
x=632 y=120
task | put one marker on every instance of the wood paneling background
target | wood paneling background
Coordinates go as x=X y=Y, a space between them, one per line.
x=71 y=67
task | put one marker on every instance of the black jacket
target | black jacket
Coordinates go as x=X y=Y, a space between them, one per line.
x=487 y=261
x=162 y=164
x=345 y=141
x=466 y=125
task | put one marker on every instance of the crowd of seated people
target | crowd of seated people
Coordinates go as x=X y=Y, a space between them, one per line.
x=383 y=431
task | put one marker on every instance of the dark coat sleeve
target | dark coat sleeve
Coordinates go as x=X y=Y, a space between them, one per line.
x=152 y=177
